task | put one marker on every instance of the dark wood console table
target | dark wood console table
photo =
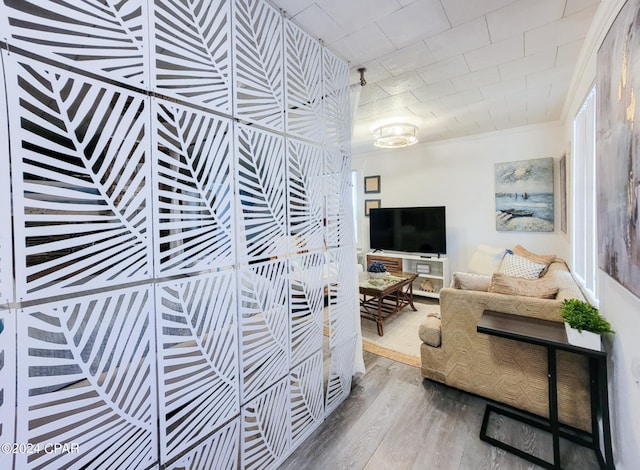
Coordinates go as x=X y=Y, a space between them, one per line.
x=552 y=336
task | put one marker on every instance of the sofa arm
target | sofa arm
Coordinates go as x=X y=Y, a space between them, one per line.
x=501 y=369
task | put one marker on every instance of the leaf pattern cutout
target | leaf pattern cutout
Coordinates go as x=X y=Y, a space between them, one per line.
x=307 y=305
x=340 y=229
x=260 y=169
x=91 y=366
x=105 y=37
x=82 y=211
x=7 y=383
x=265 y=428
x=303 y=67
x=258 y=63
x=199 y=359
x=193 y=51
x=337 y=116
x=218 y=451
x=340 y=374
x=306 y=204
x=194 y=191
x=6 y=237
x=341 y=283
x=264 y=326
x=307 y=407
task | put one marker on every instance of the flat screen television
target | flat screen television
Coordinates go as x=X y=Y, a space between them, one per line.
x=409 y=229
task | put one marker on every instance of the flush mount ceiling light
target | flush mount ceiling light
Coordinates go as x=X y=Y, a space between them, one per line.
x=394 y=136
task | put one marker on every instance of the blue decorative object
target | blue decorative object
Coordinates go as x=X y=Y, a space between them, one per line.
x=376 y=267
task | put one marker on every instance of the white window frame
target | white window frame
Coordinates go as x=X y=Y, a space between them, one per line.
x=584 y=238
x=355 y=202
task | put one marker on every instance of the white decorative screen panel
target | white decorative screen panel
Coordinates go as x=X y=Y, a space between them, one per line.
x=4 y=24
x=169 y=202
x=307 y=305
x=336 y=102
x=258 y=63
x=6 y=249
x=219 y=451
x=264 y=326
x=7 y=383
x=342 y=283
x=307 y=407
x=303 y=71
x=81 y=184
x=198 y=363
x=262 y=194
x=306 y=205
x=86 y=376
x=105 y=37
x=340 y=374
x=339 y=229
x=266 y=428
x=192 y=56
x=193 y=190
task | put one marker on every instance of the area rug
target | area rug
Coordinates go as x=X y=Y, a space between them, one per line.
x=400 y=341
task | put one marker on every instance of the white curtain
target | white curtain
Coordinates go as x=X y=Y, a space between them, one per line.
x=358 y=362
x=354 y=96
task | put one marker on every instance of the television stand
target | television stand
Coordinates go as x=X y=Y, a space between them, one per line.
x=433 y=273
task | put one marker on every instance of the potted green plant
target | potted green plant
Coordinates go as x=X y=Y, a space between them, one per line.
x=583 y=323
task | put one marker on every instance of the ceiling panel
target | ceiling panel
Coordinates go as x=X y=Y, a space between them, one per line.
x=496 y=53
x=523 y=16
x=443 y=70
x=434 y=91
x=367 y=44
x=406 y=82
x=460 y=39
x=563 y=31
x=460 y=12
x=452 y=67
x=353 y=16
x=420 y=19
x=530 y=64
x=407 y=59
x=476 y=79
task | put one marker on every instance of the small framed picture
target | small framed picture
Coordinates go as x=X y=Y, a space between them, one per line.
x=372 y=184
x=370 y=204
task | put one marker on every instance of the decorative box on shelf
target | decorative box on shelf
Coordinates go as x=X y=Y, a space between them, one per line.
x=423 y=268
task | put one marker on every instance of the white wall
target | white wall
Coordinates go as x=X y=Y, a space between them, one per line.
x=459 y=174
x=622 y=309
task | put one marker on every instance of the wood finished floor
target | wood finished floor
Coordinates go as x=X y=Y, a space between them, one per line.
x=395 y=420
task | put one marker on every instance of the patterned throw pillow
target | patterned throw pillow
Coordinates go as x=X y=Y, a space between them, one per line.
x=517 y=266
x=542 y=259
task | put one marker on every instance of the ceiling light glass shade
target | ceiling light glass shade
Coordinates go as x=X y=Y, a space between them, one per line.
x=395 y=136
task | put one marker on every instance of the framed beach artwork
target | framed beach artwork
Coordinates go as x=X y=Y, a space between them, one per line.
x=524 y=195
x=617 y=144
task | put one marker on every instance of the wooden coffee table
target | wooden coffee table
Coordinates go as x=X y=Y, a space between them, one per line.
x=384 y=297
